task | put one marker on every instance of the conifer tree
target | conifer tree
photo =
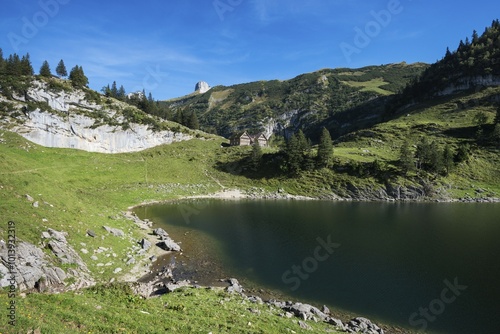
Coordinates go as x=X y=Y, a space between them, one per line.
x=121 y=93
x=106 y=90
x=463 y=153
x=436 y=163
x=114 y=90
x=475 y=37
x=423 y=152
x=303 y=143
x=45 y=70
x=406 y=158
x=294 y=156
x=13 y=65
x=26 y=67
x=61 y=69
x=193 y=122
x=77 y=77
x=497 y=116
x=255 y=156
x=448 y=159
x=2 y=62
x=325 y=149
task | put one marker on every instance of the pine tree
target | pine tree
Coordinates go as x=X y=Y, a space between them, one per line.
x=304 y=145
x=406 y=158
x=475 y=37
x=294 y=156
x=77 y=77
x=463 y=153
x=121 y=93
x=447 y=54
x=497 y=116
x=45 y=70
x=325 y=149
x=423 y=153
x=26 y=67
x=436 y=163
x=114 y=90
x=193 y=122
x=13 y=65
x=255 y=156
x=61 y=69
x=106 y=91
x=448 y=159
x=2 y=62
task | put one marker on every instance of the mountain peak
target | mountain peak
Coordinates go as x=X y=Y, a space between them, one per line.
x=202 y=87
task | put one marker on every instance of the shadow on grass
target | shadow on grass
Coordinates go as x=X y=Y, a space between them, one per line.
x=269 y=167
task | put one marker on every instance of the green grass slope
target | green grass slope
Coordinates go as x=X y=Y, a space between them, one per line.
x=78 y=191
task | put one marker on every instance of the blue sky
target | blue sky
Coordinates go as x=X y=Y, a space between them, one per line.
x=165 y=47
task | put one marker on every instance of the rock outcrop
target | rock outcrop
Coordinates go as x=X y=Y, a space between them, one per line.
x=467 y=83
x=202 y=87
x=34 y=269
x=78 y=132
x=70 y=120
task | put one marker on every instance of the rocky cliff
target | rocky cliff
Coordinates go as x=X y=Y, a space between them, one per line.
x=70 y=119
x=77 y=131
x=202 y=87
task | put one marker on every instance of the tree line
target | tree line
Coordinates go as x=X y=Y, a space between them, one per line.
x=297 y=154
x=15 y=66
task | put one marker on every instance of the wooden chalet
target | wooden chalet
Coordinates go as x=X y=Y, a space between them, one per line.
x=244 y=139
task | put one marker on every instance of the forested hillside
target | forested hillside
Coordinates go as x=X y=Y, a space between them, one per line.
x=284 y=107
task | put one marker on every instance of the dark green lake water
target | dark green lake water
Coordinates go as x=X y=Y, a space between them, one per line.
x=421 y=266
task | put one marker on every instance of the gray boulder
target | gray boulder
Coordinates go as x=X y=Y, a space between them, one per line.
x=363 y=325
x=114 y=231
x=160 y=232
x=169 y=245
x=145 y=244
x=171 y=287
x=234 y=286
x=64 y=252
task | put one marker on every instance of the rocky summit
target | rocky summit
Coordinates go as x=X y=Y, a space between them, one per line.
x=202 y=87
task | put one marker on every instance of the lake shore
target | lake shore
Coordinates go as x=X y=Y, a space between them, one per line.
x=139 y=272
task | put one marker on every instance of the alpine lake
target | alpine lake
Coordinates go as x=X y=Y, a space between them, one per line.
x=432 y=267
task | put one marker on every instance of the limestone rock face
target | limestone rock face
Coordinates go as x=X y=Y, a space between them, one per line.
x=202 y=87
x=71 y=125
x=76 y=131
